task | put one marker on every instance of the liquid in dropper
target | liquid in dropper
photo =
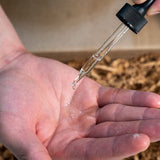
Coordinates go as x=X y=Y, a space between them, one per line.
x=102 y=51
x=74 y=83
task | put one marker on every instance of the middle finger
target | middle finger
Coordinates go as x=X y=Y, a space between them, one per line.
x=119 y=112
x=109 y=129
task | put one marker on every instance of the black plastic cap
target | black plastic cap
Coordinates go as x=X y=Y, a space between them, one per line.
x=143 y=8
x=133 y=16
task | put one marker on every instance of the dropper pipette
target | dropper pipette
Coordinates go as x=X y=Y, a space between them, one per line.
x=132 y=17
x=102 y=51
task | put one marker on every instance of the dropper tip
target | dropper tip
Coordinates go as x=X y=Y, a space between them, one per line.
x=78 y=78
x=74 y=83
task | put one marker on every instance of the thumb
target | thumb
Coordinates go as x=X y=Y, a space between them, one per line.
x=22 y=142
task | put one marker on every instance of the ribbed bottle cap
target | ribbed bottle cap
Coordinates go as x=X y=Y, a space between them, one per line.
x=133 y=16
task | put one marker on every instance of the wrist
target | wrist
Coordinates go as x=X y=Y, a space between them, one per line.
x=10 y=45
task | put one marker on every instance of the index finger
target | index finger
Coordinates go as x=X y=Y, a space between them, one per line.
x=109 y=95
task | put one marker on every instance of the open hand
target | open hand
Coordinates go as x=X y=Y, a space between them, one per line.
x=43 y=118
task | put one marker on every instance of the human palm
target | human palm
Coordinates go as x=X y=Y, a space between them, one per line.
x=41 y=116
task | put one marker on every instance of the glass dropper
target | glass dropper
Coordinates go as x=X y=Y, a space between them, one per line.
x=102 y=51
x=132 y=17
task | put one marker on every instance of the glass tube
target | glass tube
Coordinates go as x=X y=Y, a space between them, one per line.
x=102 y=51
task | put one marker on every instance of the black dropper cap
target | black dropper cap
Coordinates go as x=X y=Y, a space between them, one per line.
x=133 y=16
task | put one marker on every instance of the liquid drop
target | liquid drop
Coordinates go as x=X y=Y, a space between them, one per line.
x=74 y=85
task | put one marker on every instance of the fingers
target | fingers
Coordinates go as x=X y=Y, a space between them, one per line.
x=138 y=1
x=119 y=112
x=127 y=97
x=150 y=128
x=113 y=148
x=155 y=8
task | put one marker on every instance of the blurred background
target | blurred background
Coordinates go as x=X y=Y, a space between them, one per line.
x=69 y=29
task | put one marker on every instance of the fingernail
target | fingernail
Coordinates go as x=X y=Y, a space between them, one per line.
x=142 y=141
x=139 y=1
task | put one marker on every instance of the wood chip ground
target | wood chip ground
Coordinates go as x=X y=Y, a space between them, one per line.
x=139 y=73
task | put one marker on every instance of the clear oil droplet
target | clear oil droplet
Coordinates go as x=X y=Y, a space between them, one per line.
x=74 y=84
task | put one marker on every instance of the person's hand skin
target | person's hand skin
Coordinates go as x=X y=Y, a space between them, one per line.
x=43 y=118
x=155 y=8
